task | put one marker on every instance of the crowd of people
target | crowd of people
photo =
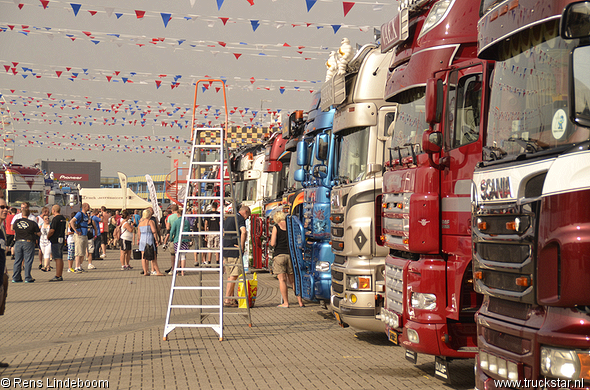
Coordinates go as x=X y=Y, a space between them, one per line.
x=89 y=233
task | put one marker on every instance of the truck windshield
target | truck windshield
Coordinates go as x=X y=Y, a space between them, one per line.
x=410 y=122
x=528 y=111
x=352 y=146
x=35 y=198
x=276 y=183
x=250 y=190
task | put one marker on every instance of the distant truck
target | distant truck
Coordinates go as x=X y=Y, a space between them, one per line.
x=112 y=199
x=23 y=184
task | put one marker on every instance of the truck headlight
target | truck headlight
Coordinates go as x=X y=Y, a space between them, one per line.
x=322 y=266
x=423 y=301
x=560 y=363
x=359 y=282
x=435 y=16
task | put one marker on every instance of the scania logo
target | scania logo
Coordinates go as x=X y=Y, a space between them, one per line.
x=496 y=188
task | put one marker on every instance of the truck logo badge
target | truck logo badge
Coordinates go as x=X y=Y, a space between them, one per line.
x=423 y=222
x=360 y=239
x=495 y=188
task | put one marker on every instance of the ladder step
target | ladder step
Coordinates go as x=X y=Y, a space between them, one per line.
x=202 y=146
x=195 y=288
x=204 y=233
x=195 y=306
x=206 y=163
x=203 y=197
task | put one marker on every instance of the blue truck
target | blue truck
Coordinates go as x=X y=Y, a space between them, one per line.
x=310 y=230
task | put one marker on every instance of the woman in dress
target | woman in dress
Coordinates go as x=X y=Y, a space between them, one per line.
x=126 y=240
x=147 y=231
x=45 y=244
x=281 y=262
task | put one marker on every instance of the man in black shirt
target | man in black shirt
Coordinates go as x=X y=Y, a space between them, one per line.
x=26 y=232
x=232 y=256
x=56 y=235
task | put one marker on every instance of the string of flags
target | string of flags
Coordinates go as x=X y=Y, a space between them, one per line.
x=167 y=17
x=86 y=74
x=236 y=49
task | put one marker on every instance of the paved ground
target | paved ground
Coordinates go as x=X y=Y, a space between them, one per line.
x=107 y=325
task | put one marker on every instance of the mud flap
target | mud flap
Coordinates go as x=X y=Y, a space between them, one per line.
x=296 y=243
x=410 y=356
x=441 y=369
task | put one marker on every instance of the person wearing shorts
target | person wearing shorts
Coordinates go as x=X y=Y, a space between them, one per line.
x=232 y=256
x=57 y=231
x=281 y=262
x=80 y=225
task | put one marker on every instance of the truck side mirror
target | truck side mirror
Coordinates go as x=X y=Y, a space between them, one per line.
x=301 y=153
x=299 y=175
x=575 y=21
x=432 y=141
x=320 y=171
x=434 y=100
x=322 y=149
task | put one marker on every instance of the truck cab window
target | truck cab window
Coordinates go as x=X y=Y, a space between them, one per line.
x=467 y=107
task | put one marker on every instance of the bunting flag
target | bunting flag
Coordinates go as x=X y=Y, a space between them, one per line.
x=309 y=4
x=44 y=3
x=76 y=8
x=219 y=4
x=166 y=18
x=336 y=27
x=347 y=5
x=255 y=24
x=139 y=14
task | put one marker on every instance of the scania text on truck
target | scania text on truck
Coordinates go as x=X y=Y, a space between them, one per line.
x=359 y=137
x=531 y=220
x=436 y=80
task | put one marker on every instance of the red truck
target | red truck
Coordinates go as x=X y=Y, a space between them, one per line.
x=438 y=83
x=531 y=219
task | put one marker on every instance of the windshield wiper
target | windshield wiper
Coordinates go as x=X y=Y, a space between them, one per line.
x=493 y=153
x=529 y=145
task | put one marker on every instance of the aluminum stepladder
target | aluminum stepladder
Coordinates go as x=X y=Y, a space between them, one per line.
x=202 y=289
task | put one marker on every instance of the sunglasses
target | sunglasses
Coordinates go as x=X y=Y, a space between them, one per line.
x=3 y=207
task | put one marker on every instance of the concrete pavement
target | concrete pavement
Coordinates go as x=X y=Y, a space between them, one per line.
x=107 y=325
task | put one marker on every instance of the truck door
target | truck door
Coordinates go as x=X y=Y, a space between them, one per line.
x=463 y=141
x=464 y=132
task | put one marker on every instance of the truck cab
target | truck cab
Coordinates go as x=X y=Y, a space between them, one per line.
x=315 y=157
x=359 y=145
x=530 y=219
x=440 y=88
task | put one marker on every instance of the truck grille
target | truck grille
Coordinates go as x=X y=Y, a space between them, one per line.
x=502 y=253
x=504 y=239
x=338 y=288
x=394 y=287
x=338 y=276
x=339 y=260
